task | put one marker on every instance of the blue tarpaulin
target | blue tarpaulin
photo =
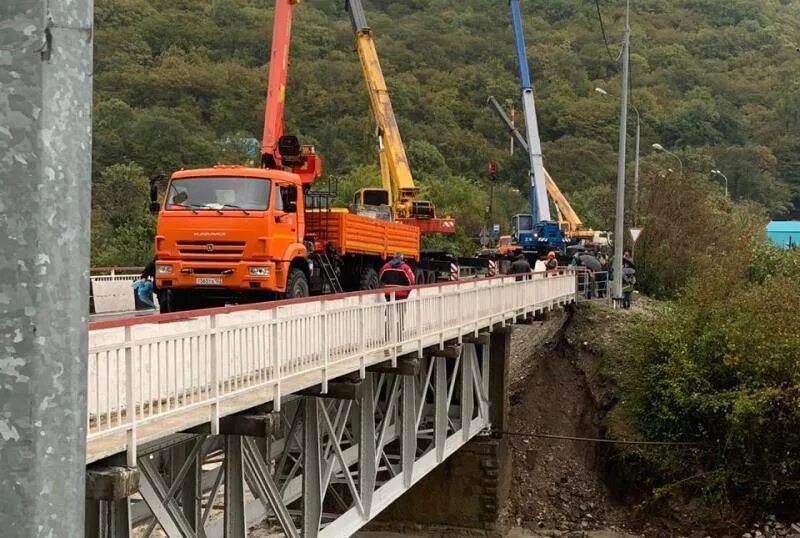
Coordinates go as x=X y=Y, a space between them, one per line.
x=784 y=233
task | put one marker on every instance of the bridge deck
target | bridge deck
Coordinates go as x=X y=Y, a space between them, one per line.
x=152 y=377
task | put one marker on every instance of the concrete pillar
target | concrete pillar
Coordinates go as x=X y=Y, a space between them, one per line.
x=45 y=161
x=499 y=355
x=108 y=512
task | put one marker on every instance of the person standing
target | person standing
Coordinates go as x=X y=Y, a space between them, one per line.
x=551 y=262
x=520 y=266
x=591 y=267
x=396 y=273
x=144 y=291
x=628 y=281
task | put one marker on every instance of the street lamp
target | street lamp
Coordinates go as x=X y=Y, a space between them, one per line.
x=659 y=147
x=719 y=173
x=603 y=92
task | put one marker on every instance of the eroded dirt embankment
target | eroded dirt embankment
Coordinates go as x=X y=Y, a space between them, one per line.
x=557 y=484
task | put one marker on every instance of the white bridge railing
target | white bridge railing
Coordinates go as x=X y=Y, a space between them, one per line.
x=149 y=377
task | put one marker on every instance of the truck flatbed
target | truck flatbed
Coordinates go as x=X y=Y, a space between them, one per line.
x=354 y=234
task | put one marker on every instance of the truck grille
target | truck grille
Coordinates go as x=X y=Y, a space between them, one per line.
x=211 y=250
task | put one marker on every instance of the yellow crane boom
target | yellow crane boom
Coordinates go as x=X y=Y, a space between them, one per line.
x=567 y=215
x=399 y=190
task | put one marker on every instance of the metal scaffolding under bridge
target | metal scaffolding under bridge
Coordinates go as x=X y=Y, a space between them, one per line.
x=310 y=415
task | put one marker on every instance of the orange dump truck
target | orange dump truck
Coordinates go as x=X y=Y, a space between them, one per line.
x=233 y=234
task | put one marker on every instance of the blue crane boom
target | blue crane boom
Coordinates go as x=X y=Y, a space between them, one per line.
x=540 y=208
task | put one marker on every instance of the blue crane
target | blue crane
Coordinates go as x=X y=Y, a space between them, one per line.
x=535 y=231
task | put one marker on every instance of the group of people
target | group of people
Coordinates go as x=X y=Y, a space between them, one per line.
x=521 y=265
x=598 y=272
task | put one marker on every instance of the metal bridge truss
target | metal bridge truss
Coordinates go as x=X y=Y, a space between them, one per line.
x=324 y=465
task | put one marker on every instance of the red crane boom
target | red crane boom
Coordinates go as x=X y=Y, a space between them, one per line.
x=280 y=151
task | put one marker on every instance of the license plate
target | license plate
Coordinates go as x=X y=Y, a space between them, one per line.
x=208 y=281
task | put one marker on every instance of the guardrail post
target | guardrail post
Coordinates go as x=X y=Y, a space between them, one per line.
x=130 y=400
x=419 y=321
x=324 y=336
x=460 y=310
x=212 y=351
x=491 y=304
x=362 y=338
x=394 y=326
x=440 y=299
x=276 y=361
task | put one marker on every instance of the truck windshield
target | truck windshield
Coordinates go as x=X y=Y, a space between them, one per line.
x=218 y=193
x=524 y=222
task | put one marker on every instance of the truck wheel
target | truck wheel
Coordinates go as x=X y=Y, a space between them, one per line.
x=369 y=279
x=419 y=277
x=297 y=284
x=176 y=302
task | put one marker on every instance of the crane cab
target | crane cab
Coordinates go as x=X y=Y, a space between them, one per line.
x=371 y=197
x=373 y=203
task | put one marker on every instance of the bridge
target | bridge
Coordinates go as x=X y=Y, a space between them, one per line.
x=312 y=414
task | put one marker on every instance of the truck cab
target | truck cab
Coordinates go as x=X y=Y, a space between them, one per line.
x=522 y=231
x=538 y=238
x=548 y=236
x=228 y=230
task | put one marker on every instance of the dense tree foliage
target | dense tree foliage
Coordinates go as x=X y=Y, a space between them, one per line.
x=178 y=82
x=718 y=370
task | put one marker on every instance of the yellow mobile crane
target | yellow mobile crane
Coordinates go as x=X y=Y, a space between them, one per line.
x=399 y=191
x=568 y=219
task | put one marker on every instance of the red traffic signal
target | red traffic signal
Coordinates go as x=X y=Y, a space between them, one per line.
x=492 y=169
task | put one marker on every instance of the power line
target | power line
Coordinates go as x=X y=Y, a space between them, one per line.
x=595 y=440
x=603 y=31
x=608 y=49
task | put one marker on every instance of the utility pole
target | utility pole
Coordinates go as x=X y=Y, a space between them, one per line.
x=45 y=167
x=492 y=170
x=636 y=172
x=619 y=228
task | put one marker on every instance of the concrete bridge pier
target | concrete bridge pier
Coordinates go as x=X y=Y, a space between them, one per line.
x=470 y=488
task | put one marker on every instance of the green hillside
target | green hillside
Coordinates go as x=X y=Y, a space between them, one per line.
x=179 y=83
